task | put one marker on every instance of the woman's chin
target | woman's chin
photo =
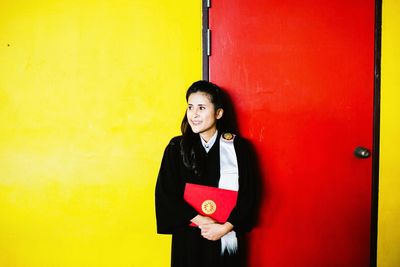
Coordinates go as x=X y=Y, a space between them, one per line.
x=195 y=129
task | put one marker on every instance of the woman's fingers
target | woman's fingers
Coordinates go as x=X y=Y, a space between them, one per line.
x=212 y=231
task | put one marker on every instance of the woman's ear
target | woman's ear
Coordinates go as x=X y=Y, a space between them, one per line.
x=219 y=113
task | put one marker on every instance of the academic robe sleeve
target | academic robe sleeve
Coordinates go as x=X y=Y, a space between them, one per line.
x=243 y=214
x=172 y=211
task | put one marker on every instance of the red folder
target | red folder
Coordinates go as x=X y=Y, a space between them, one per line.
x=210 y=201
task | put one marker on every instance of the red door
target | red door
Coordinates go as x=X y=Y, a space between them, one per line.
x=301 y=76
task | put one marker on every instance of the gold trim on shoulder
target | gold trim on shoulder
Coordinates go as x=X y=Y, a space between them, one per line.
x=227 y=136
x=208 y=207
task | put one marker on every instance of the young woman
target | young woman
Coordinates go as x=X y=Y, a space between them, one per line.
x=208 y=153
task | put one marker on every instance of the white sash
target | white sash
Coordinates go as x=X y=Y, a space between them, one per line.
x=229 y=179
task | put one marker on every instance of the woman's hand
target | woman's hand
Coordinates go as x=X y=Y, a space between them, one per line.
x=201 y=220
x=215 y=231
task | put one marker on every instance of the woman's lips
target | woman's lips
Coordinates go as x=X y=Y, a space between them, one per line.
x=196 y=122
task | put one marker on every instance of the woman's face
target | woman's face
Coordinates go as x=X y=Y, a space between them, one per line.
x=202 y=116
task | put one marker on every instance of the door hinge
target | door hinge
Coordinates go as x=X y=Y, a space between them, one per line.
x=208 y=42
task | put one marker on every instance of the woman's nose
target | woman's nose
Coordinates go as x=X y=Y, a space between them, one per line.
x=195 y=112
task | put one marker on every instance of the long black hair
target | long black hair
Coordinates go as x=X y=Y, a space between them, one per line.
x=226 y=123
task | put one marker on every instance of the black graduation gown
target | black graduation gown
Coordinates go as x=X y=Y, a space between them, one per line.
x=173 y=214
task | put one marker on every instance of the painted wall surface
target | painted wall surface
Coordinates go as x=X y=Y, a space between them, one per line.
x=90 y=94
x=389 y=180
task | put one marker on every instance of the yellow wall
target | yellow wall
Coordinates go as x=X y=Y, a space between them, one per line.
x=389 y=180
x=90 y=94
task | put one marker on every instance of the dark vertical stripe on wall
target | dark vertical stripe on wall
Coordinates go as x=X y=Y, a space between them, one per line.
x=376 y=134
x=204 y=37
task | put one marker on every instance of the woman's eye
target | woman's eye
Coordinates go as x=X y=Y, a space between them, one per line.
x=189 y=108
x=202 y=108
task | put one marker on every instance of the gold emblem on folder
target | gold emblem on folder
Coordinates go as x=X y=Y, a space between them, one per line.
x=208 y=207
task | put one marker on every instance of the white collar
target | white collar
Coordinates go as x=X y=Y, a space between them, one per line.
x=208 y=145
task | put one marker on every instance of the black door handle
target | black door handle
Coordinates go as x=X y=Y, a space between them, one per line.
x=362 y=152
